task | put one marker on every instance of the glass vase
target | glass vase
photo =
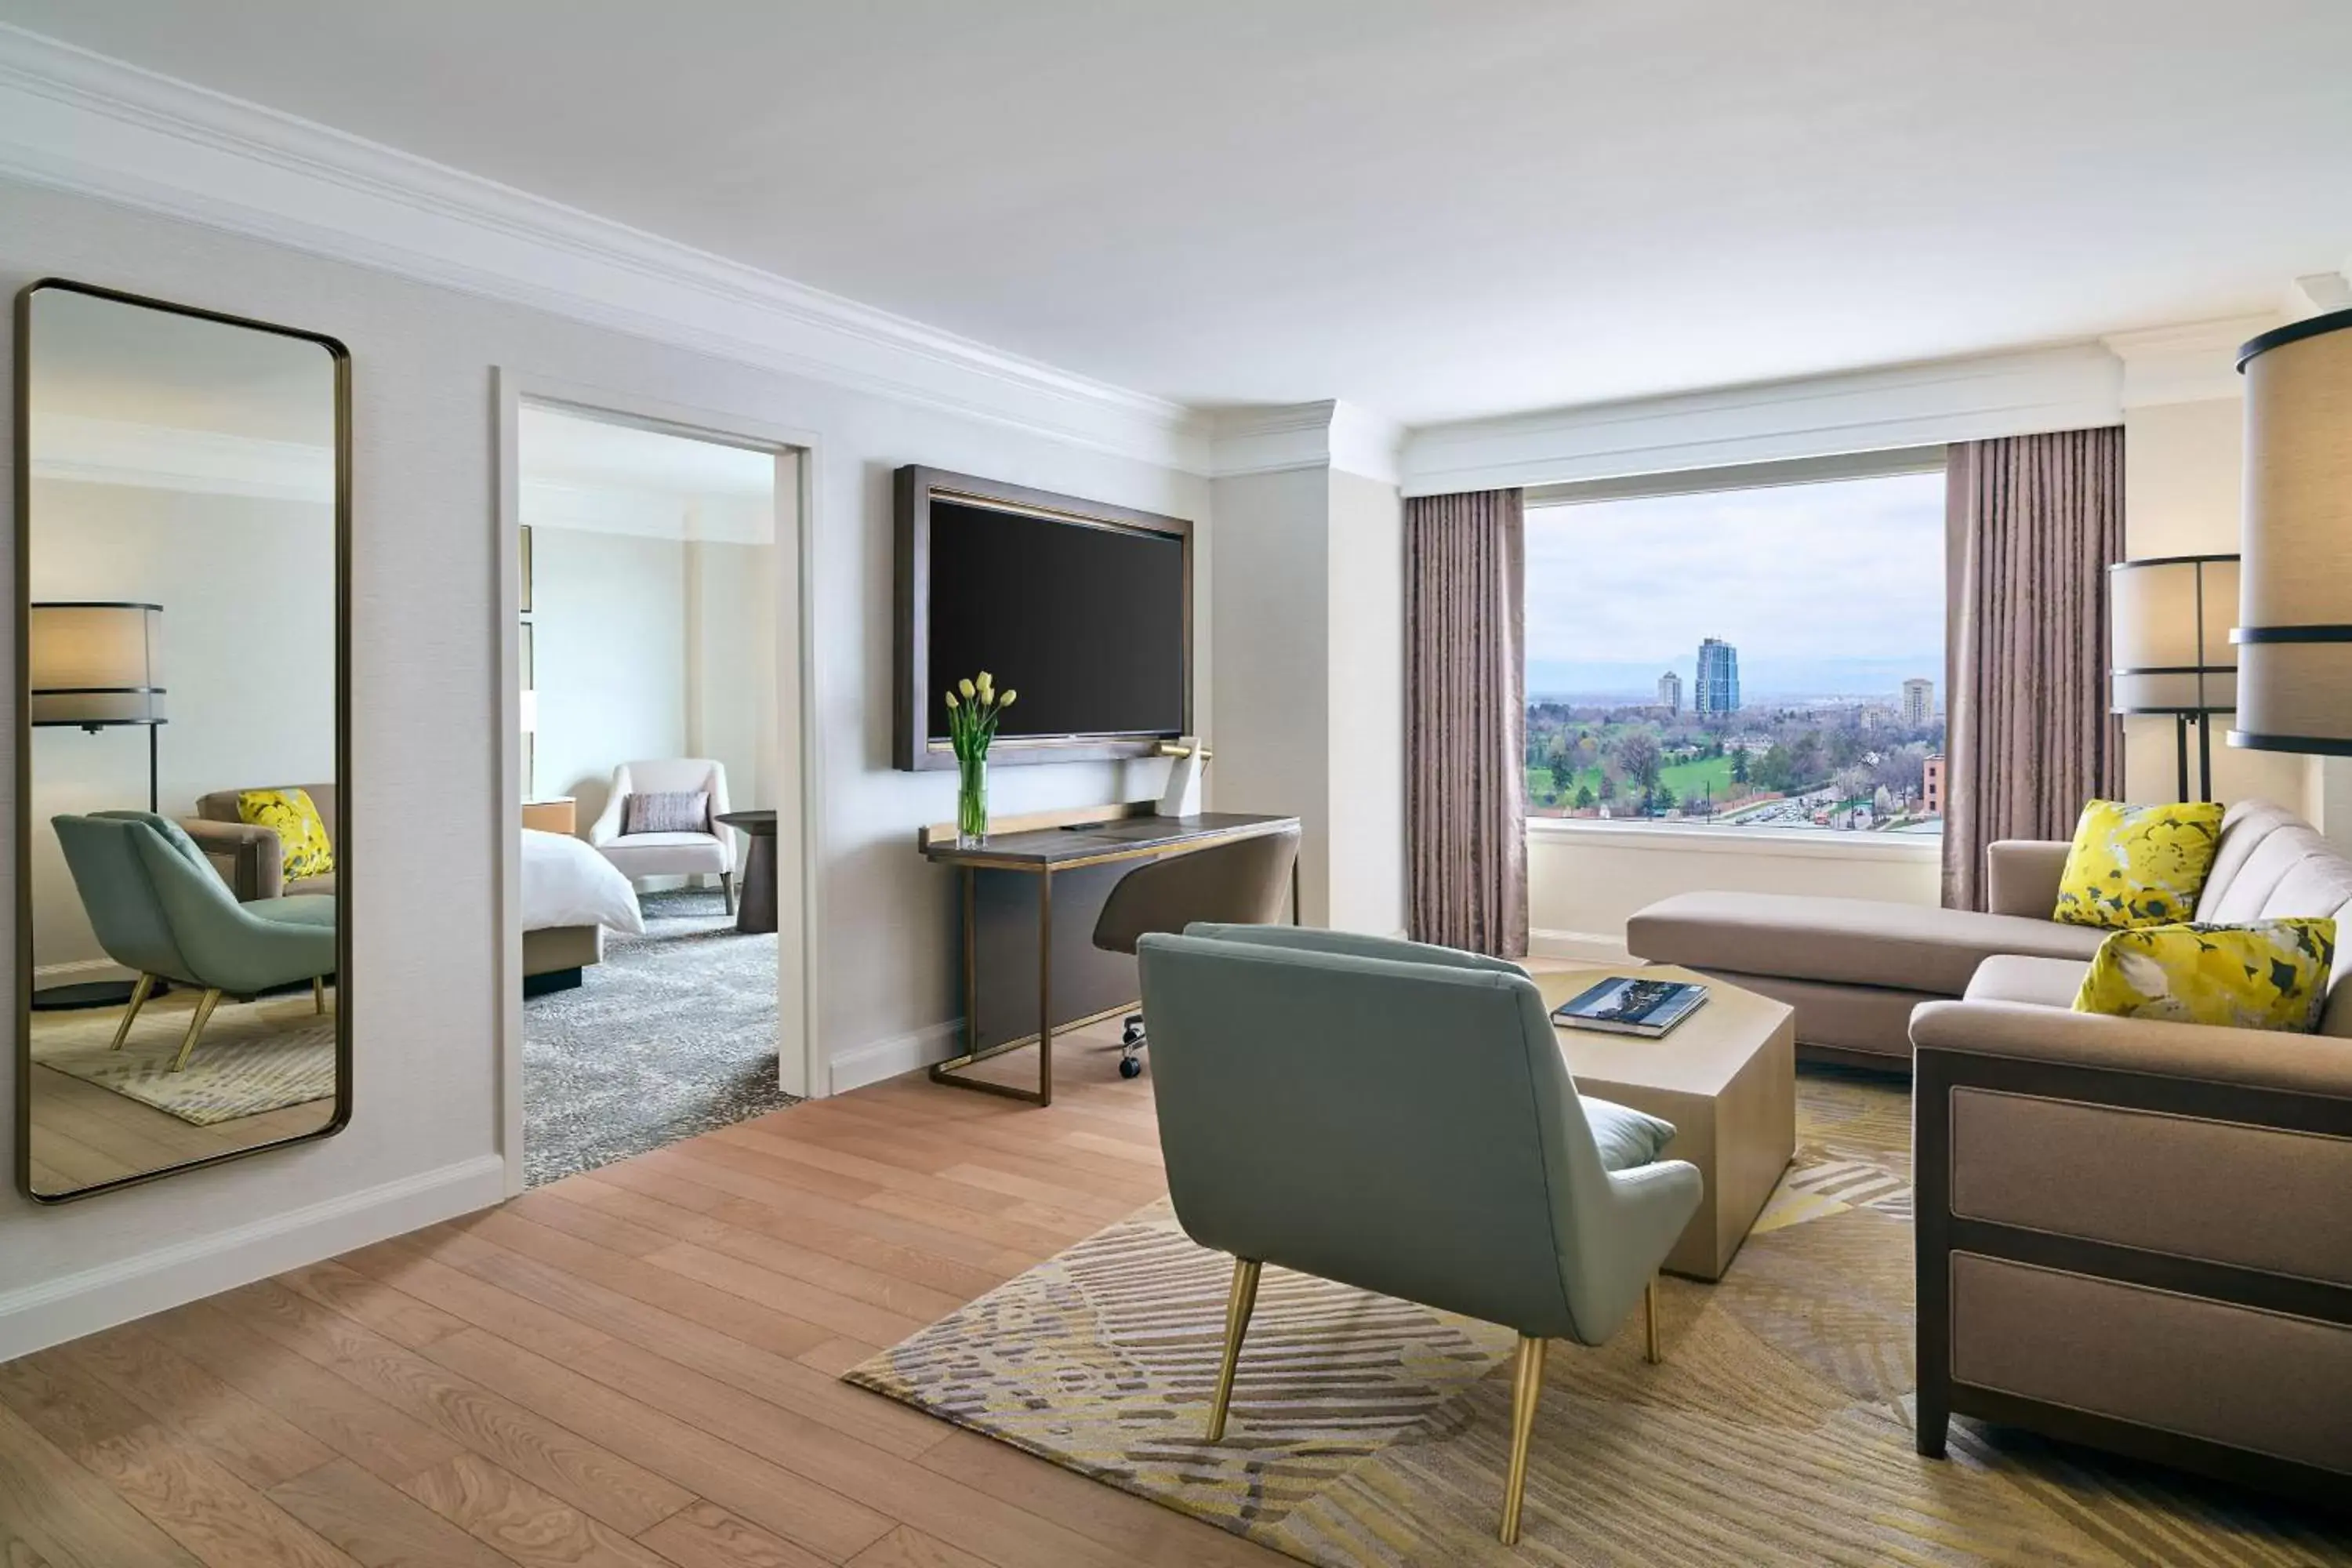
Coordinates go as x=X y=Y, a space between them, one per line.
x=971 y=800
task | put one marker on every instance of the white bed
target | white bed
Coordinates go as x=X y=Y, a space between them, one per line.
x=566 y=883
x=570 y=895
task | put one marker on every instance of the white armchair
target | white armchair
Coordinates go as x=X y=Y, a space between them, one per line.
x=708 y=852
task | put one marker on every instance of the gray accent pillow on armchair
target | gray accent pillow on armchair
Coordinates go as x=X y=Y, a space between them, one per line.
x=668 y=811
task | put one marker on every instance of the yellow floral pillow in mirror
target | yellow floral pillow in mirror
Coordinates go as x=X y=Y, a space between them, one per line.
x=2266 y=974
x=2137 y=864
x=300 y=828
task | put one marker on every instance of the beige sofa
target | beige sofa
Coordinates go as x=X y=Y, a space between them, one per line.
x=1855 y=969
x=252 y=859
x=2138 y=1235
x=2130 y=1234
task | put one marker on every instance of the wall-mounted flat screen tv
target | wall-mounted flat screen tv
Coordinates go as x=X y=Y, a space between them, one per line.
x=1083 y=608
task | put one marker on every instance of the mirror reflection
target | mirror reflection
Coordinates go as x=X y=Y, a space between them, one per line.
x=181 y=842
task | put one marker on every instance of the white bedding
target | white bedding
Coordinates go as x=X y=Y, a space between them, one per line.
x=566 y=883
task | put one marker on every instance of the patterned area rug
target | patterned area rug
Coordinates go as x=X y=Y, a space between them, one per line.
x=1368 y=1431
x=672 y=1034
x=253 y=1057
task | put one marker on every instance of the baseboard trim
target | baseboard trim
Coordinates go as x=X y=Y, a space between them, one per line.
x=1582 y=946
x=55 y=1311
x=877 y=1060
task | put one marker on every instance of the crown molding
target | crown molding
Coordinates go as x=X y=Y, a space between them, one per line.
x=2195 y=362
x=1278 y=437
x=82 y=123
x=2072 y=387
x=83 y=451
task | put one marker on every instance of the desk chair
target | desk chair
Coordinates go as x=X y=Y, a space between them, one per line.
x=1399 y=1118
x=1240 y=883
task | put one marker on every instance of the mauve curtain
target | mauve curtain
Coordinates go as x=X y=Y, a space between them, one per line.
x=2035 y=521
x=1465 y=719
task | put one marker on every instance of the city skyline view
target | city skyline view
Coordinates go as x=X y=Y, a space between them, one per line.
x=1828 y=590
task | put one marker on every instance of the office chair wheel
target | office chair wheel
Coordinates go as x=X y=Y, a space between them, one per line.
x=1129 y=1067
x=1132 y=1035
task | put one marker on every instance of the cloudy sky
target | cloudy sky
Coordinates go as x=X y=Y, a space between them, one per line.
x=1831 y=589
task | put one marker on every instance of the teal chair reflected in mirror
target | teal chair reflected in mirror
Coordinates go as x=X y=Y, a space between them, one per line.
x=1398 y=1117
x=160 y=910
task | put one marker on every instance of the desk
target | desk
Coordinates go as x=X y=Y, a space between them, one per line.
x=1065 y=845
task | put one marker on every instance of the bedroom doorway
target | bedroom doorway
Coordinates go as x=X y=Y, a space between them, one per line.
x=656 y=900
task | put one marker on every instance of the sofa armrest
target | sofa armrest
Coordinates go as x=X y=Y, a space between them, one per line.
x=2021 y=876
x=250 y=859
x=2251 y=1059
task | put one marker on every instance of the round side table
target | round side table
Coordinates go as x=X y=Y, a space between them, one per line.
x=755 y=904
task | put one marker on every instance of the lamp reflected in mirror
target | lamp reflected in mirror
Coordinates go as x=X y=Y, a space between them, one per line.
x=181 y=945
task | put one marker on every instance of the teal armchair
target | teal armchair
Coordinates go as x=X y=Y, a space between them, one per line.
x=1399 y=1118
x=158 y=907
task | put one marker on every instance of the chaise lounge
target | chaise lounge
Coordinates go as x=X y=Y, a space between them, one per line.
x=1855 y=968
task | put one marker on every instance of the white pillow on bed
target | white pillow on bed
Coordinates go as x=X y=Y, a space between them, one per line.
x=566 y=883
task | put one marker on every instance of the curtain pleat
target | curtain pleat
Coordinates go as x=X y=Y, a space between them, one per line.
x=2036 y=520
x=1466 y=720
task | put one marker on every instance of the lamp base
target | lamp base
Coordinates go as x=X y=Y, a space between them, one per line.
x=89 y=993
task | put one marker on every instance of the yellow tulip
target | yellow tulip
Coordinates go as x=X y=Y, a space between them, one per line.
x=952 y=704
x=985 y=679
x=1006 y=700
x=967 y=688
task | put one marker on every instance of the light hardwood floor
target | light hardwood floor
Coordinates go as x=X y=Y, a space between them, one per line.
x=631 y=1367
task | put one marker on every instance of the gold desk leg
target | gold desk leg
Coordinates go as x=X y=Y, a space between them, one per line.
x=204 y=1005
x=1046 y=986
x=1526 y=1391
x=139 y=992
x=946 y=1072
x=1239 y=1304
x=1650 y=1350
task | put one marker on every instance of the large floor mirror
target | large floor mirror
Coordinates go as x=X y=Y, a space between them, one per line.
x=183 y=868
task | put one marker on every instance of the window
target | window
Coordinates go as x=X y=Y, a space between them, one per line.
x=1764 y=657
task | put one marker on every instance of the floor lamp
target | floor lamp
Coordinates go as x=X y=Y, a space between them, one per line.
x=92 y=666
x=2168 y=620
x=2295 y=623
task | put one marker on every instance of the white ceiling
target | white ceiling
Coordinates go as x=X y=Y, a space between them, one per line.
x=1437 y=210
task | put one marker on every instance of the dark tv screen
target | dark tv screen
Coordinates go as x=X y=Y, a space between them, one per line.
x=1085 y=622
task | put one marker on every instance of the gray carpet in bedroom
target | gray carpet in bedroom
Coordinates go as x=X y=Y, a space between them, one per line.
x=674 y=1034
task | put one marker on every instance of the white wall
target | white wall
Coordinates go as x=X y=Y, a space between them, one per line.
x=1583 y=882
x=1271 y=630
x=2183 y=463
x=247 y=657
x=422 y=1142
x=1366 y=710
x=609 y=657
x=730 y=666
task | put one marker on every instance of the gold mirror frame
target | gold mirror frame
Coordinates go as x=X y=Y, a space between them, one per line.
x=341 y=359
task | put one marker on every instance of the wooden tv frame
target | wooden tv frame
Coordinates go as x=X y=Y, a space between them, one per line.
x=912 y=487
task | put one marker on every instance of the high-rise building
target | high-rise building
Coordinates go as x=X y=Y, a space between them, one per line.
x=1670 y=693
x=1718 y=690
x=1918 y=703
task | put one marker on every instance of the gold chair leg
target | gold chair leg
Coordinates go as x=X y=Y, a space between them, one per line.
x=1650 y=1350
x=204 y=1005
x=1239 y=1304
x=1526 y=1391
x=318 y=993
x=139 y=992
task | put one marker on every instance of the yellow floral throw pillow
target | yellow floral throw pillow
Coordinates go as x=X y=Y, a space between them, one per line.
x=2137 y=864
x=300 y=828
x=2267 y=974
